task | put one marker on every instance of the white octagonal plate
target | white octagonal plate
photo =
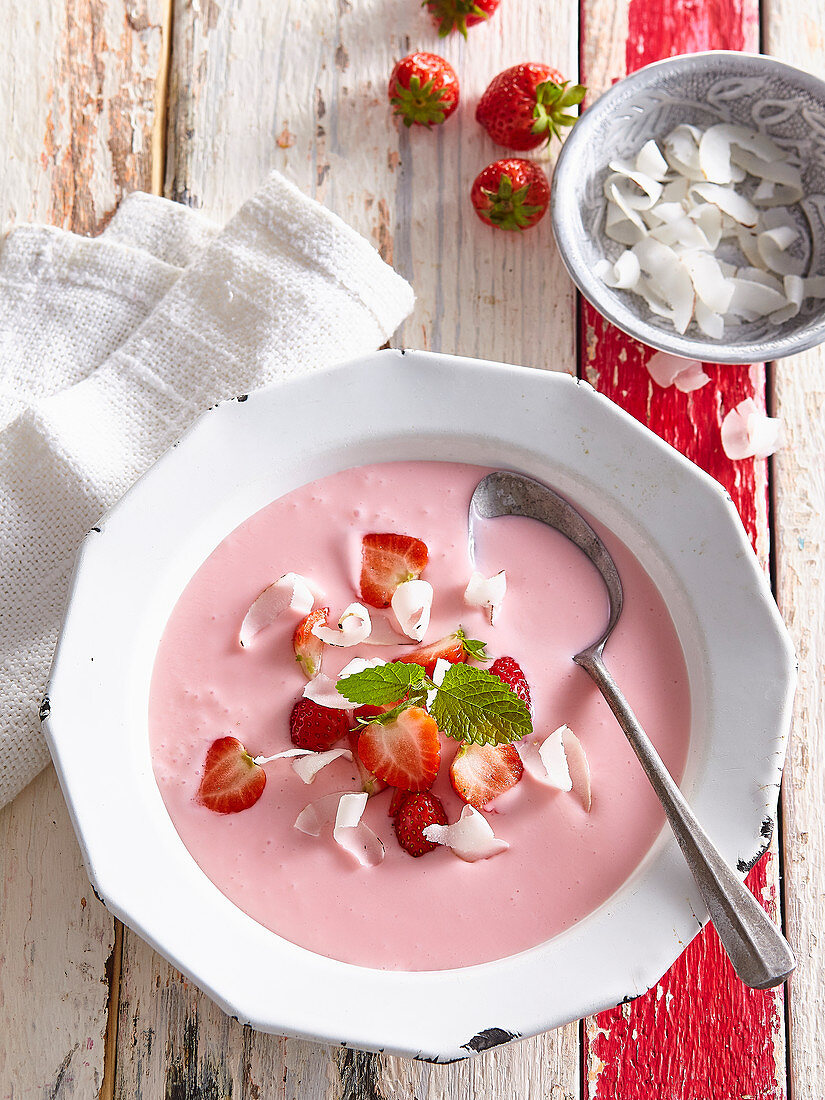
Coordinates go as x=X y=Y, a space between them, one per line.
x=243 y=454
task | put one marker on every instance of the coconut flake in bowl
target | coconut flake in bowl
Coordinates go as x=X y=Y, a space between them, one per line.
x=687 y=207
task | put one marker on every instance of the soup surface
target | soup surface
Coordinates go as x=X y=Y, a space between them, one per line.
x=436 y=911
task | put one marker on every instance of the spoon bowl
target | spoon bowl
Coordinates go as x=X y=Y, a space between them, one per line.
x=757 y=949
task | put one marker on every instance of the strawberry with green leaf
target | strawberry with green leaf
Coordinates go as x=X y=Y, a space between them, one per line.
x=458 y=15
x=455 y=648
x=511 y=194
x=524 y=106
x=423 y=89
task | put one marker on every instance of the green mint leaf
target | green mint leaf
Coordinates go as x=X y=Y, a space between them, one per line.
x=381 y=685
x=473 y=705
x=473 y=647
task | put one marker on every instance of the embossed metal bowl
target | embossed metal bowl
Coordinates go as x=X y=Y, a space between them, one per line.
x=702 y=89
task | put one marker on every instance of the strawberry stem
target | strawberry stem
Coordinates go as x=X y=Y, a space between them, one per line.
x=452 y=14
x=507 y=209
x=551 y=101
x=419 y=103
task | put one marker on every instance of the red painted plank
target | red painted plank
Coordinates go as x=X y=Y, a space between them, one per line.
x=700 y=1034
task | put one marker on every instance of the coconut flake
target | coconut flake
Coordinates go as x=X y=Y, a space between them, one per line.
x=748 y=433
x=285 y=755
x=360 y=664
x=729 y=201
x=439 y=672
x=651 y=162
x=354 y=627
x=470 y=838
x=546 y=761
x=324 y=691
x=318 y=815
x=310 y=763
x=487 y=592
x=668 y=370
x=351 y=834
x=579 y=768
x=342 y=811
x=291 y=592
x=412 y=603
x=692 y=377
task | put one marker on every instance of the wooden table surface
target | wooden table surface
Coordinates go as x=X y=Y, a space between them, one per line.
x=198 y=99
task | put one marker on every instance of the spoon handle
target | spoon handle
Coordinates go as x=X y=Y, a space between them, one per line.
x=760 y=954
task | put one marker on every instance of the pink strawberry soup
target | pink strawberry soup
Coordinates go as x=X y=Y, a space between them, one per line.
x=436 y=911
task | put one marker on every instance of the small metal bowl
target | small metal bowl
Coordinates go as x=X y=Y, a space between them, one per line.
x=703 y=89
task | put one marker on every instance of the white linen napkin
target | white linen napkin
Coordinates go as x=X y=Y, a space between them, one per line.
x=110 y=347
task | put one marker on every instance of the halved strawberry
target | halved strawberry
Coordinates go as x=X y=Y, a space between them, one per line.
x=316 y=728
x=388 y=560
x=510 y=672
x=480 y=773
x=231 y=781
x=309 y=650
x=404 y=753
x=399 y=797
x=450 y=648
x=417 y=812
x=369 y=782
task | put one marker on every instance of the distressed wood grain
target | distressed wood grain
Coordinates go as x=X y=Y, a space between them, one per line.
x=302 y=88
x=79 y=79
x=799 y=503
x=55 y=942
x=796 y=35
x=699 y=1032
x=798 y=393
x=77 y=86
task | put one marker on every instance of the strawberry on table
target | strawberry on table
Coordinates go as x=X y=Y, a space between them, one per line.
x=423 y=89
x=404 y=752
x=316 y=728
x=455 y=647
x=231 y=781
x=510 y=673
x=480 y=773
x=458 y=15
x=526 y=104
x=511 y=194
x=416 y=813
x=309 y=650
x=388 y=560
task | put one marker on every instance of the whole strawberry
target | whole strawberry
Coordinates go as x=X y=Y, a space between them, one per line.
x=316 y=728
x=525 y=105
x=511 y=194
x=458 y=15
x=417 y=812
x=510 y=672
x=423 y=89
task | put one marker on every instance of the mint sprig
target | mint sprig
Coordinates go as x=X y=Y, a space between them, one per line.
x=474 y=705
x=471 y=704
x=382 y=685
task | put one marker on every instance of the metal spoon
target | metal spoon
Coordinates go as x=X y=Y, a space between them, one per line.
x=760 y=954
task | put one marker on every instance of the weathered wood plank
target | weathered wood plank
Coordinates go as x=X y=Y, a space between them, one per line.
x=301 y=87
x=55 y=940
x=796 y=35
x=77 y=85
x=799 y=502
x=699 y=1033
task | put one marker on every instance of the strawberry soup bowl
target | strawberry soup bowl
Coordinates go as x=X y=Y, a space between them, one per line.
x=393 y=406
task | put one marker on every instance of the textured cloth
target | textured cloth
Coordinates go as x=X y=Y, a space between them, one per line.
x=110 y=347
